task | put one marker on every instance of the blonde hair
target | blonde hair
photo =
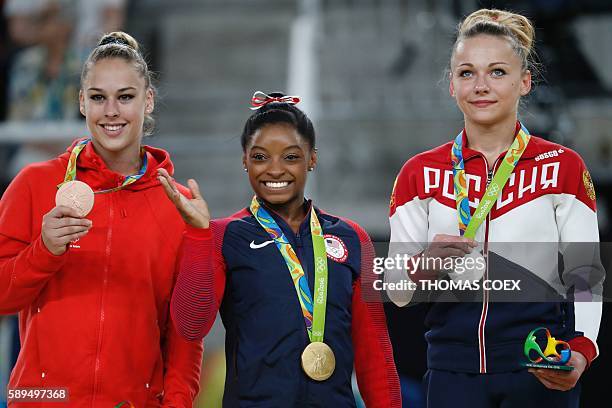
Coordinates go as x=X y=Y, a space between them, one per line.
x=515 y=27
x=122 y=45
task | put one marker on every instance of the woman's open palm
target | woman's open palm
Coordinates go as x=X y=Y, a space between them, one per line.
x=195 y=210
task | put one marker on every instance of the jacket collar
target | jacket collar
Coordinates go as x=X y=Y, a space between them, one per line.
x=531 y=151
x=92 y=170
x=304 y=225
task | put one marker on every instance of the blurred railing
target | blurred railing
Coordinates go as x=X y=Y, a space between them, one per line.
x=41 y=132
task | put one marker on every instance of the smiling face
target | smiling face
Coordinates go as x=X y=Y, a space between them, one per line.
x=114 y=100
x=488 y=79
x=277 y=159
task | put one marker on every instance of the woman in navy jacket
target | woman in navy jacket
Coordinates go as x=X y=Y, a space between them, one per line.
x=284 y=333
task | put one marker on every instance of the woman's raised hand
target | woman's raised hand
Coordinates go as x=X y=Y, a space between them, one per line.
x=195 y=210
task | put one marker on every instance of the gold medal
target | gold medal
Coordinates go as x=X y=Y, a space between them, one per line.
x=588 y=184
x=318 y=361
x=76 y=194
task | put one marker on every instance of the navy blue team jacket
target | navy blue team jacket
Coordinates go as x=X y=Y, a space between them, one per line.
x=265 y=330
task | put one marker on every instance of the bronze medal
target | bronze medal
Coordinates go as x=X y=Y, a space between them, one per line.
x=76 y=194
x=318 y=361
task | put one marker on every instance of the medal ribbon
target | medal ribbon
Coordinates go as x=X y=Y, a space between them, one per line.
x=312 y=309
x=468 y=224
x=71 y=168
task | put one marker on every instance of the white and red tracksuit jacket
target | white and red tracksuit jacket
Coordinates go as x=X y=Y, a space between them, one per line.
x=547 y=203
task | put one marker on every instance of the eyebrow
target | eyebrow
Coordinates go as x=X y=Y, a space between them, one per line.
x=469 y=64
x=286 y=148
x=129 y=88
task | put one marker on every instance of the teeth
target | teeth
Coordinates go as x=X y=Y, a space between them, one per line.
x=113 y=128
x=277 y=184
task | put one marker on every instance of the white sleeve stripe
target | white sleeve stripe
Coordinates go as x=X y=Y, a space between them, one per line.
x=408 y=234
x=409 y=221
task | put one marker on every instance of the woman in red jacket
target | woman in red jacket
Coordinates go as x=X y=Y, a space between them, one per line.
x=88 y=244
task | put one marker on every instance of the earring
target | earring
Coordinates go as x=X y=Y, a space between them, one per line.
x=310 y=168
x=246 y=170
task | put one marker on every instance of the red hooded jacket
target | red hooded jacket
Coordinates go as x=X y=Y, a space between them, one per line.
x=95 y=320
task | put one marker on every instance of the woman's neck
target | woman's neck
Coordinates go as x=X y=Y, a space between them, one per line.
x=491 y=140
x=293 y=212
x=125 y=162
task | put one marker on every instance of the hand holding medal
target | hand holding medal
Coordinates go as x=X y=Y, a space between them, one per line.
x=62 y=225
x=65 y=222
x=444 y=246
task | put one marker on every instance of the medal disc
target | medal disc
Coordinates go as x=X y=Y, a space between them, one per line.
x=318 y=361
x=76 y=194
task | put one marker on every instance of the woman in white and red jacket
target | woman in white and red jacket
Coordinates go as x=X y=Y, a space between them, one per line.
x=93 y=292
x=454 y=200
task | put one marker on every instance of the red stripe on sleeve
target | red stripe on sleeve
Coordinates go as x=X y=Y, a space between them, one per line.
x=201 y=280
x=374 y=365
x=585 y=347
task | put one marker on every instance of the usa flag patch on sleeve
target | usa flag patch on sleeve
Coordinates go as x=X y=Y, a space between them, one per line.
x=335 y=248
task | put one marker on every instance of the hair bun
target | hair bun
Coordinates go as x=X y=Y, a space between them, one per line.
x=517 y=25
x=120 y=38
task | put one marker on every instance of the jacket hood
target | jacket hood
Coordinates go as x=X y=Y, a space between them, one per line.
x=92 y=169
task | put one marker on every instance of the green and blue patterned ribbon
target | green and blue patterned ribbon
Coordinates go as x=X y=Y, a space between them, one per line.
x=468 y=224
x=71 y=168
x=312 y=309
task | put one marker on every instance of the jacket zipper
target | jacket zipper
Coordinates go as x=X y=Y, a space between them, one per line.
x=485 y=294
x=109 y=236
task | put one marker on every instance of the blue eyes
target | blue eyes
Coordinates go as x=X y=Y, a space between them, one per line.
x=496 y=73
